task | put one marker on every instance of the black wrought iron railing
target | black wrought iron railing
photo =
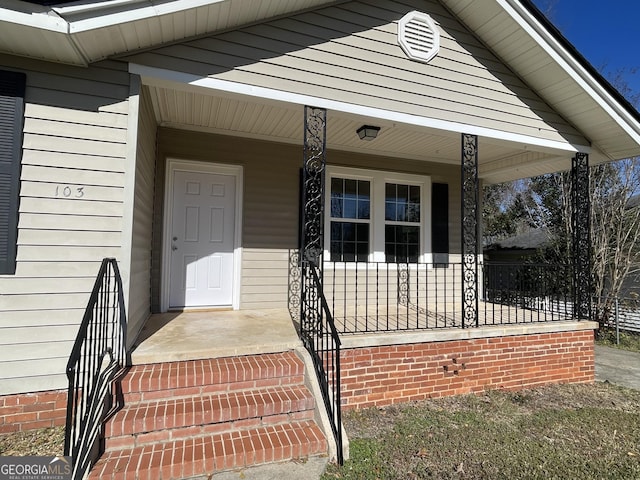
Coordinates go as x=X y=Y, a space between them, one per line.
x=526 y=292
x=388 y=297
x=368 y=297
x=321 y=339
x=97 y=358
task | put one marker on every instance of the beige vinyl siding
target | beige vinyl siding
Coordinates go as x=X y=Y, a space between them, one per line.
x=70 y=215
x=140 y=271
x=349 y=52
x=271 y=202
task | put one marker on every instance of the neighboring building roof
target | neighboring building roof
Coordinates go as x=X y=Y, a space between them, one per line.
x=530 y=240
x=633 y=202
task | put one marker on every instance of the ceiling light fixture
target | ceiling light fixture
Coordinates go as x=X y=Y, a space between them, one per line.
x=367 y=132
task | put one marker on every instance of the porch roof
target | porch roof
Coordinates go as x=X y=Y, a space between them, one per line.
x=83 y=32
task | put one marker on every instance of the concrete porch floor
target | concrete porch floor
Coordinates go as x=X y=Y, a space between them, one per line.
x=193 y=335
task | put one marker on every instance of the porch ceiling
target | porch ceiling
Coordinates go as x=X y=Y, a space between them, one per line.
x=283 y=122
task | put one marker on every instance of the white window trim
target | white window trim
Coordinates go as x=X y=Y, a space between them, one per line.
x=378 y=178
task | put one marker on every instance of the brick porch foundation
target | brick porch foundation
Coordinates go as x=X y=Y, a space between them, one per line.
x=379 y=375
x=28 y=411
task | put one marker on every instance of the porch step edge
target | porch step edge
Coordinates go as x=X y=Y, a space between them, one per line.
x=250 y=370
x=210 y=409
x=201 y=456
x=128 y=441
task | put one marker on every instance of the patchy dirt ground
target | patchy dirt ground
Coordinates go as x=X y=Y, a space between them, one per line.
x=45 y=441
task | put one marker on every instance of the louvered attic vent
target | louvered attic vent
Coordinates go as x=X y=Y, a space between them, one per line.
x=418 y=36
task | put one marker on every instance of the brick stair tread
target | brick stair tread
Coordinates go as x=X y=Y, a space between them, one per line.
x=202 y=456
x=209 y=409
x=249 y=371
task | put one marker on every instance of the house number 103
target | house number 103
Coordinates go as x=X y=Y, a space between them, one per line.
x=67 y=191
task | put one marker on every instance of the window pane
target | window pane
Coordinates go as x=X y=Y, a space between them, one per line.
x=413 y=213
x=401 y=211
x=349 y=208
x=390 y=192
x=336 y=187
x=336 y=207
x=414 y=194
x=350 y=188
x=350 y=198
x=402 y=203
x=349 y=242
x=364 y=209
x=403 y=193
x=390 y=210
x=402 y=243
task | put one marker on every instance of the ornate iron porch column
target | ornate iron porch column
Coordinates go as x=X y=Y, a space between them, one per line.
x=581 y=241
x=470 y=206
x=313 y=174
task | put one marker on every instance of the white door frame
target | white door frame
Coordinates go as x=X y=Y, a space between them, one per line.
x=172 y=165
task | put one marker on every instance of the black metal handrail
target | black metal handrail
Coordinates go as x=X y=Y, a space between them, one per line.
x=321 y=339
x=98 y=356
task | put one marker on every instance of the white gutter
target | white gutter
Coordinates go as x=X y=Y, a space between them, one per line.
x=75 y=9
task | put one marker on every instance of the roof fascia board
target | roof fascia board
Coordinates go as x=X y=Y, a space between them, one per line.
x=568 y=62
x=40 y=21
x=169 y=78
x=141 y=10
x=114 y=13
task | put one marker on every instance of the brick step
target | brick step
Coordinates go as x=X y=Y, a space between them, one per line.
x=162 y=420
x=202 y=377
x=202 y=456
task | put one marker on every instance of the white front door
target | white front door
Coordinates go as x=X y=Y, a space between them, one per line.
x=202 y=239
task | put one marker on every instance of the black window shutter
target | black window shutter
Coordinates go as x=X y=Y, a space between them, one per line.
x=440 y=223
x=12 y=87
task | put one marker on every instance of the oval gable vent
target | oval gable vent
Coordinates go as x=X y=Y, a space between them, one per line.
x=418 y=36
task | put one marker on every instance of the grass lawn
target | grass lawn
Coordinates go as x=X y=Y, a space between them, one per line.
x=628 y=341
x=554 y=432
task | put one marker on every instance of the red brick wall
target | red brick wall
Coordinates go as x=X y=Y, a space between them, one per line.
x=28 y=411
x=400 y=373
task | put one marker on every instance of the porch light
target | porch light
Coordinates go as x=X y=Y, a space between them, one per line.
x=368 y=132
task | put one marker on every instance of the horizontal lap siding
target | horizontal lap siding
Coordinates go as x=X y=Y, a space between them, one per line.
x=270 y=203
x=140 y=274
x=350 y=53
x=70 y=215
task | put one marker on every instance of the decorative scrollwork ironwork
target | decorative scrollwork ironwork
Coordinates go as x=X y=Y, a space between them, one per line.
x=580 y=196
x=295 y=284
x=470 y=199
x=313 y=183
x=313 y=175
x=403 y=284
